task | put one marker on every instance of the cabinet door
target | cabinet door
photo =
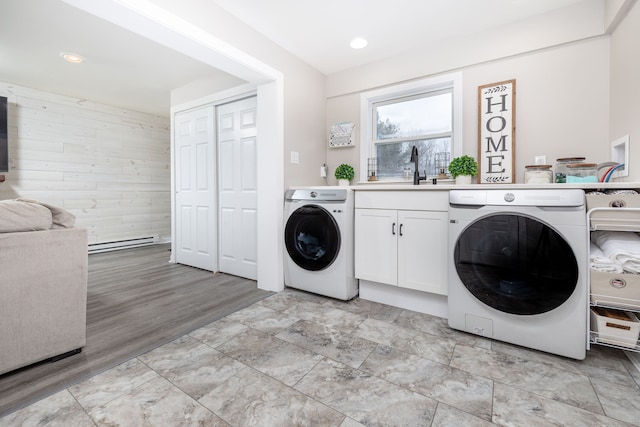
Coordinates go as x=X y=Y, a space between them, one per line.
x=422 y=251
x=376 y=246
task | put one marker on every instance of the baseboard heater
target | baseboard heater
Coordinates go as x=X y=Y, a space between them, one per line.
x=122 y=244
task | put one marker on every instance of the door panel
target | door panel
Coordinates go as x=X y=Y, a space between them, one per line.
x=422 y=251
x=226 y=169
x=250 y=227
x=249 y=180
x=195 y=189
x=376 y=245
x=237 y=139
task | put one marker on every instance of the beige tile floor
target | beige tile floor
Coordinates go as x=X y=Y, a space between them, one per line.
x=296 y=359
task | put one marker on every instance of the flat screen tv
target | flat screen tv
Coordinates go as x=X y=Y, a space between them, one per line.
x=4 y=140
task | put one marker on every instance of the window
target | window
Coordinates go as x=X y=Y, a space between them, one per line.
x=425 y=114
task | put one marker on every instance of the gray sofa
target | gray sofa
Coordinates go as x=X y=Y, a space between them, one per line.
x=43 y=283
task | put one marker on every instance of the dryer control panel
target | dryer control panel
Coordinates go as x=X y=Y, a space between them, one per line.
x=317 y=194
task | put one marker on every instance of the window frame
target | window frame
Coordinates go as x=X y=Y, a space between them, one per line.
x=451 y=82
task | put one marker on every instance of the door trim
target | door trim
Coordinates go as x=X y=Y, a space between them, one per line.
x=167 y=28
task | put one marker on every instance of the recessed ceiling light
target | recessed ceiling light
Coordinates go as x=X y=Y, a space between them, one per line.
x=72 y=57
x=358 y=43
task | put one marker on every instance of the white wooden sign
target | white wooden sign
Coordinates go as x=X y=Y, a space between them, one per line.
x=341 y=135
x=497 y=132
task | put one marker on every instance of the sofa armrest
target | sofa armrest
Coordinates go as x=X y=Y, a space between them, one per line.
x=43 y=283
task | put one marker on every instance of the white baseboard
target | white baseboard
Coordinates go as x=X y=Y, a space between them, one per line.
x=422 y=302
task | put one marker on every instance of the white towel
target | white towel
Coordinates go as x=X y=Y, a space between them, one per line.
x=620 y=246
x=600 y=262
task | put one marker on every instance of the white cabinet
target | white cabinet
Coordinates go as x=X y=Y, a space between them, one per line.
x=402 y=247
x=376 y=245
x=422 y=251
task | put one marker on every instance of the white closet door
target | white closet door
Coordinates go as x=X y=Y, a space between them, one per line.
x=196 y=219
x=237 y=138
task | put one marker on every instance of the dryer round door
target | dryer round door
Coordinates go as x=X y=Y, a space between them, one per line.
x=516 y=264
x=312 y=237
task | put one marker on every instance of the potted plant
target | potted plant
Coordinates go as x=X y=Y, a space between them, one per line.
x=463 y=168
x=344 y=173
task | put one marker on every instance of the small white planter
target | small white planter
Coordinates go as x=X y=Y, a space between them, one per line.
x=343 y=182
x=463 y=179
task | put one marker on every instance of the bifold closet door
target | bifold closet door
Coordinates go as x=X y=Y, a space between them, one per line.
x=237 y=196
x=195 y=180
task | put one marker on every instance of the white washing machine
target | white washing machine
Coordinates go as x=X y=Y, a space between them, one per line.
x=318 y=236
x=518 y=267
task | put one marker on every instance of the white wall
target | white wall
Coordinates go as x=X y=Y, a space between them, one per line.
x=106 y=165
x=561 y=104
x=558 y=27
x=577 y=87
x=196 y=89
x=304 y=91
x=625 y=87
x=345 y=108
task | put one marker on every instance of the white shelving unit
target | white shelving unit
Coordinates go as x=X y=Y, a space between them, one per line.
x=613 y=219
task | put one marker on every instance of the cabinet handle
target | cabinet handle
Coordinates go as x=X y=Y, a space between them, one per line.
x=393 y=228
x=400 y=229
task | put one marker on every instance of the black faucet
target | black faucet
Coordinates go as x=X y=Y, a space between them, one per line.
x=416 y=175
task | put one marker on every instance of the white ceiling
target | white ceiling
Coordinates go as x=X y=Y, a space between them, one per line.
x=126 y=70
x=319 y=32
x=122 y=69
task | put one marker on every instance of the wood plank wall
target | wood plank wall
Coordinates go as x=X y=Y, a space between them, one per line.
x=108 y=166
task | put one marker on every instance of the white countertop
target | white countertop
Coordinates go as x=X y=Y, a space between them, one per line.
x=378 y=186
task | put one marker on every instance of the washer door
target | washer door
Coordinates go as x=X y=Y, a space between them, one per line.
x=312 y=237
x=516 y=264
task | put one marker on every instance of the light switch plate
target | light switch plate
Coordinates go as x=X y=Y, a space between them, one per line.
x=295 y=157
x=540 y=160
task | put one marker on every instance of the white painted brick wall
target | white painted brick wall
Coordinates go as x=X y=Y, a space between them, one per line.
x=108 y=166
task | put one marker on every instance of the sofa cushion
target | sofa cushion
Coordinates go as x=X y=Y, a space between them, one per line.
x=61 y=217
x=18 y=215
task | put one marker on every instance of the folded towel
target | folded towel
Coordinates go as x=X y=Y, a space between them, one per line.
x=600 y=262
x=621 y=247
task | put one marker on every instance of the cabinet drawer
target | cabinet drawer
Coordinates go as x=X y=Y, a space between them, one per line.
x=614 y=212
x=615 y=326
x=424 y=200
x=618 y=290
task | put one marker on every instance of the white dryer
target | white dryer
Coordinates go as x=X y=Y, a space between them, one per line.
x=318 y=236
x=518 y=267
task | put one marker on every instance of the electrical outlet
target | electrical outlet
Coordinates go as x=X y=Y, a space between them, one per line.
x=540 y=160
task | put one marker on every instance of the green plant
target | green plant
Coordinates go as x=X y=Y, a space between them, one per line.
x=463 y=165
x=345 y=171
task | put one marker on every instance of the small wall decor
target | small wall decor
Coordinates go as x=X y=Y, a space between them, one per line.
x=341 y=135
x=497 y=132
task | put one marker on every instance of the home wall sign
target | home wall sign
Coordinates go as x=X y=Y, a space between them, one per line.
x=497 y=132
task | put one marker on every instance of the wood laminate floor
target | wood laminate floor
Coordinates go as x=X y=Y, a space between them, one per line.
x=136 y=301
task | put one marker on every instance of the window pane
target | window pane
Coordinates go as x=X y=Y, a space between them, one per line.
x=394 y=157
x=414 y=117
